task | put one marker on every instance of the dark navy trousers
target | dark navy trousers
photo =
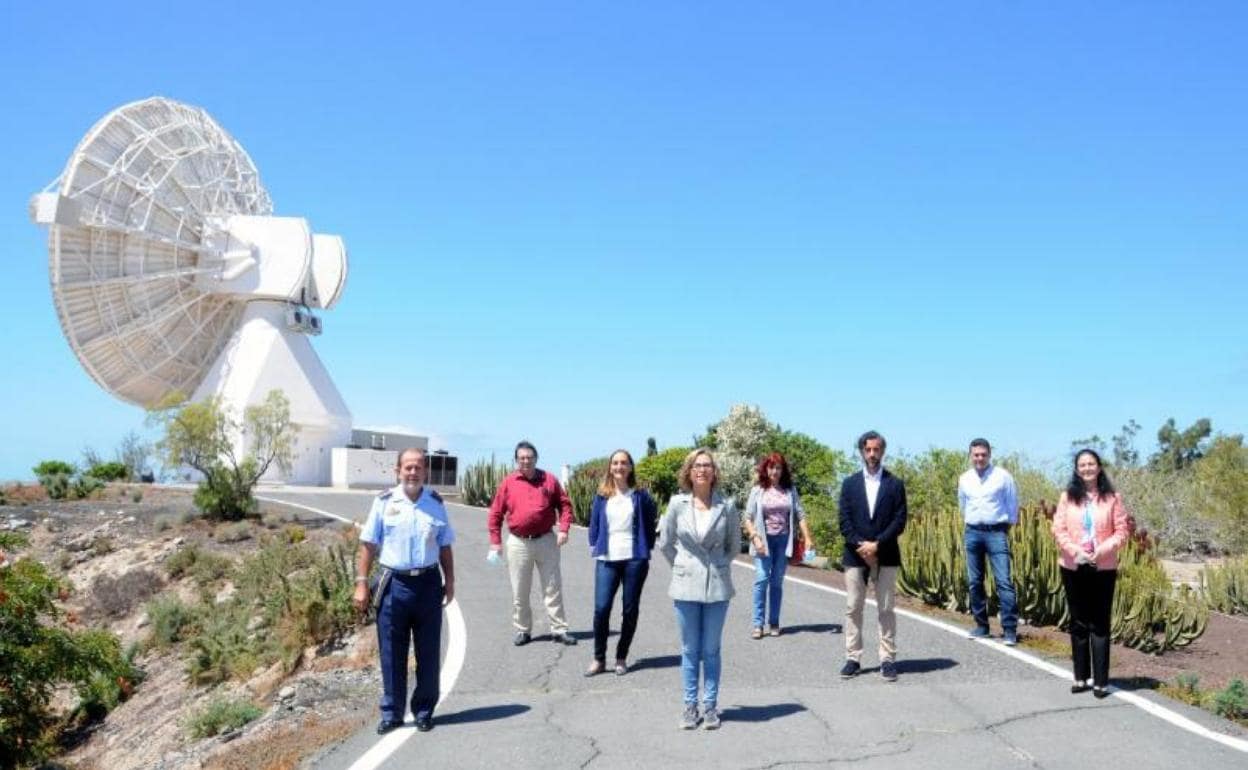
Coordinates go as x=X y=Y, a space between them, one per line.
x=411 y=611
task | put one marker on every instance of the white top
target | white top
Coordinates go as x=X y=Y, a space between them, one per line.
x=872 y=482
x=619 y=527
x=701 y=518
x=988 y=498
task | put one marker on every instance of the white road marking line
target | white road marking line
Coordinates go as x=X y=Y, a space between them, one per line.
x=1140 y=702
x=452 y=664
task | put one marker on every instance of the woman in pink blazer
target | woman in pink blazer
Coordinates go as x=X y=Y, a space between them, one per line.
x=1090 y=525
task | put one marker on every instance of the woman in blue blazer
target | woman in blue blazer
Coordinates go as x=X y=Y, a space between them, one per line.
x=622 y=527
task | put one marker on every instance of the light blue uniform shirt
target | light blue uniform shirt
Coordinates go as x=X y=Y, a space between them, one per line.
x=408 y=534
x=992 y=499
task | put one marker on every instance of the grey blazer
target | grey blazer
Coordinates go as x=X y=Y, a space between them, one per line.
x=701 y=566
x=754 y=512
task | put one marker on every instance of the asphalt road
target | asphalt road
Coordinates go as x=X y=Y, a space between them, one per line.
x=957 y=703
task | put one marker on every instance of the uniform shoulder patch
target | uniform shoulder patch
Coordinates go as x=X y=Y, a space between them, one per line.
x=385 y=495
x=434 y=494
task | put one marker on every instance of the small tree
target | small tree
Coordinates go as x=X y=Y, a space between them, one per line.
x=202 y=435
x=1177 y=449
x=39 y=653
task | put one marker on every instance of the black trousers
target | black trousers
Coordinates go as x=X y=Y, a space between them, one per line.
x=1090 y=597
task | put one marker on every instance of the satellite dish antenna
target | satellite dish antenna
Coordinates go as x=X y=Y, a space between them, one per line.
x=171 y=275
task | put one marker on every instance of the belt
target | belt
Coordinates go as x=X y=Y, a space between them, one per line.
x=989 y=527
x=530 y=537
x=411 y=572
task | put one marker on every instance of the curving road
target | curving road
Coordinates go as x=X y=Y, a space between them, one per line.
x=958 y=704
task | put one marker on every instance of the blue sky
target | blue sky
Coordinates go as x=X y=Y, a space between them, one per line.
x=587 y=223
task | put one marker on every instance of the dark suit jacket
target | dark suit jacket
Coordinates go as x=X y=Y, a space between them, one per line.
x=857 y=524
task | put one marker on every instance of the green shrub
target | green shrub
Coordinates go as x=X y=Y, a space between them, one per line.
x=583 y=485
x=1149 y=613
x=54 y=467
x=221 y=497
x=203 y=566
x=39 y=654
x=169 y=620
x=825 y=527
x=220 y=715
x=1226 y=587
x=657 y=473
x=236 y=532
x=84 y=486
x=481 y=480
x=136 y=496
x=109 y=471
x=56 y=485
x=294 y=533
x=1232 y=702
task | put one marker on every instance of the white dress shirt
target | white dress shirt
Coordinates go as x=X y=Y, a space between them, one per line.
x=872 y=482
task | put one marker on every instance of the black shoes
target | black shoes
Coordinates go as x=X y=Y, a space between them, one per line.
x=521 y=638
x=1079 y=687
x=386 y=725
x=850 y=669
x=563 y=638
x=1100 y=692
x=424 y=724
x=888 y=670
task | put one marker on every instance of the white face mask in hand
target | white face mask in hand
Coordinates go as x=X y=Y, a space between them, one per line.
x=493 y=558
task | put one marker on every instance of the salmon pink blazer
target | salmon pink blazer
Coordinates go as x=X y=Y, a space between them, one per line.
x=1110 y=526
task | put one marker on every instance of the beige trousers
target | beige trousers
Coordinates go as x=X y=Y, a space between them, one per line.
x=522 y=556
x=885 y=581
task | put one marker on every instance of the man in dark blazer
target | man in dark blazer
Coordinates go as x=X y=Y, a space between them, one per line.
x=872 y=517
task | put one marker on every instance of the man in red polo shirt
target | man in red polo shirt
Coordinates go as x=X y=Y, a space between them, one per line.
x=532 y=500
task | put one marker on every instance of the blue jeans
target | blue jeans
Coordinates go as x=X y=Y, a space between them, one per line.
x=769 y=579
x=701 y=627
x=995 y=544
x=608 y=575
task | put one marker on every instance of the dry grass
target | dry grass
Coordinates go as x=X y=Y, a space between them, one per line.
x=285 y=747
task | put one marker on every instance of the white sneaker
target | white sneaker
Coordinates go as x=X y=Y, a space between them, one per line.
x=689 y=718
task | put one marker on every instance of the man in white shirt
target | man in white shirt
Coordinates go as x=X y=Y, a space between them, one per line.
x=988 y=499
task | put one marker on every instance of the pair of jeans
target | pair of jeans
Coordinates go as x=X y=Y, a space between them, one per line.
x=769 y=580
x=995 y=545
x=1090 y=597
x=608 y=576
x=701 y=628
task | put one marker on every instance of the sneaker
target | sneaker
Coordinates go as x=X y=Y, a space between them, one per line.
x=850 y=669
x=710 y=718
x=563 y=638
x=888 y=670
x=979 y=632
x=521 y=638
x=773 y=630
x=1010 y=639
x=689 y=717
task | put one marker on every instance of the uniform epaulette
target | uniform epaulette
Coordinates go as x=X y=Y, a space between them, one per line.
x=434 y=494
x=385 y=495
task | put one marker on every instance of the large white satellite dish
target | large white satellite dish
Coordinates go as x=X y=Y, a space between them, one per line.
x=170 y=274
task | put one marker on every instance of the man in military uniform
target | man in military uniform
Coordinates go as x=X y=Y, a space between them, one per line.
x=409 y=527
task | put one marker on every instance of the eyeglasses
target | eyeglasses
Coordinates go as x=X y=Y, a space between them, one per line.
x=704 y=466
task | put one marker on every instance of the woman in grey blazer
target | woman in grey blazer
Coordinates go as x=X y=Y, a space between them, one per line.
x=699 y=535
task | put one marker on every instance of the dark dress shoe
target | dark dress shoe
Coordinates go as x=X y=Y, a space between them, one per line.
x=521 y=638
x=1100 y=692
x=386 y=725
x=424 y=724
x=563 y=638
x=888 y=670
x=850 y=669
x=1079 y=687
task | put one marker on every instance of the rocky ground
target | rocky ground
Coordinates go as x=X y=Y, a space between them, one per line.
x=112 y=550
